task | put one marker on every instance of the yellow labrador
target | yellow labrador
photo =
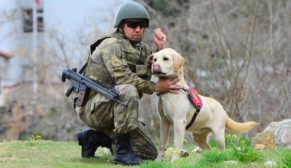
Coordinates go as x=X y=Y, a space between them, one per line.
x=176 y=110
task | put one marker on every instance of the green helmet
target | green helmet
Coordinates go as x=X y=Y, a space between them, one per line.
x=131 y=10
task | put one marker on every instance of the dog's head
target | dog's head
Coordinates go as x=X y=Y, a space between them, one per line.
x=166 y=63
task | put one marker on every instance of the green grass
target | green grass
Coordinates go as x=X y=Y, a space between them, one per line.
x=35 y=153
x=47 y=154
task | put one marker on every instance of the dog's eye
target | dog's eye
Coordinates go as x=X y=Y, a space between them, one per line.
x=166 y=58
x=155 y=59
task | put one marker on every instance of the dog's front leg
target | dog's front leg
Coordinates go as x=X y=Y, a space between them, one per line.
x=164 y=132
x=179 y=133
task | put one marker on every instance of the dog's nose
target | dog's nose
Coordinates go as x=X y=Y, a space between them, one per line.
x=156 y=68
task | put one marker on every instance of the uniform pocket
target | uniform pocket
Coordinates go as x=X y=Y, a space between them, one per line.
x=98 y=100
x=101 y=112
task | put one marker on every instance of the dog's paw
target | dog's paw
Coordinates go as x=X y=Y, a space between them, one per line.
x=184 y=153
x=197 y=150
x=160 y=157
x=171 y=152
x=174 y=157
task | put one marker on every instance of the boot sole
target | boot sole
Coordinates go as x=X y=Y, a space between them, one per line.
x=124 y=164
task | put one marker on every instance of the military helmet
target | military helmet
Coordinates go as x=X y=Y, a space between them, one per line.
x=131 y=10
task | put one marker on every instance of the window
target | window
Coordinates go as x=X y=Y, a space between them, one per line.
x=28 y=20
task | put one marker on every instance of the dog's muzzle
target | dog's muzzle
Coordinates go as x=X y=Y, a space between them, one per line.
x=156 y=70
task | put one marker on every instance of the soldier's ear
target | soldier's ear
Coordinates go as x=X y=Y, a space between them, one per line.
x=149 y=60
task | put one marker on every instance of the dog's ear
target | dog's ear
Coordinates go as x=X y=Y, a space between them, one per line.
x=178 y=62
x=149 y=60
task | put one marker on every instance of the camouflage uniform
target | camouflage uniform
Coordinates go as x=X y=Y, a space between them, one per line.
x=117 y=62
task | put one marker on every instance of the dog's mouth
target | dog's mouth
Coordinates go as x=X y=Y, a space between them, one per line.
x=156 y=70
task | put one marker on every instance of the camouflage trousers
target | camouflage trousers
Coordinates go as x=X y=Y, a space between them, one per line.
x=109 y=117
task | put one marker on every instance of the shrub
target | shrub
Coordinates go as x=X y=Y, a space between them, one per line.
x=242 y=148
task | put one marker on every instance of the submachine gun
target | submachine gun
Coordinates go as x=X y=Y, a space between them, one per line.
x=80 y=85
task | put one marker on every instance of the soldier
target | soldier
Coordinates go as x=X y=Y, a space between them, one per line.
x=119 y=61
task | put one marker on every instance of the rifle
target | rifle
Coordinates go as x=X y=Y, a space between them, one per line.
x=80 y=84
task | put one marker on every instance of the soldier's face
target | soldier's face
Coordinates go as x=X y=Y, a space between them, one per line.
x=134 y=29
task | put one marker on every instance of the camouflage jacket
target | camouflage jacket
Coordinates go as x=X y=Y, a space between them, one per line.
x=116 y=61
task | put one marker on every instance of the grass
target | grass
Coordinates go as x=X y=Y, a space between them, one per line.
x=47 y=154
x=35 y=153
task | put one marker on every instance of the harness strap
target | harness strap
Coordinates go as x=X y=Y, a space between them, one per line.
x=196 y=101
x=193 y=118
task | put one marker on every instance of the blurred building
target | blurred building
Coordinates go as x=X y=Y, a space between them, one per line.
x=19 y=42
x=4 y=59
x=26 y=28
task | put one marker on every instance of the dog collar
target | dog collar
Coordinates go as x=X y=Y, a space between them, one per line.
x=186 y=88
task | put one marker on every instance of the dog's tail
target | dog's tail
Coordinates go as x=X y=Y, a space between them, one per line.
x=236 y=127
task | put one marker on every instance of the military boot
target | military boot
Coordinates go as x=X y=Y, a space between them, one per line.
x=123 y=151
x=90 y=140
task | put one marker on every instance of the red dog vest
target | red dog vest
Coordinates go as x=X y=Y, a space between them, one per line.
x=195 y=99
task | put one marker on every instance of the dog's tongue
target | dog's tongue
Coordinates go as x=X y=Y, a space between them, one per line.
x=156 y=68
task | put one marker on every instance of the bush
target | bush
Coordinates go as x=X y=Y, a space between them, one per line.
x=242 y=148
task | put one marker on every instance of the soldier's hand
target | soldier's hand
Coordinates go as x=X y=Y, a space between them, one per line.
x=168 y=85
x=159 y=38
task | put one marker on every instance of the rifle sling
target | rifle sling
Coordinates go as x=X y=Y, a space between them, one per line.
x=83 y=68
x=92 y=48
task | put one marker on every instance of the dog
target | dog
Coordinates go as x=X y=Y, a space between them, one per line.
x=176 y=110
